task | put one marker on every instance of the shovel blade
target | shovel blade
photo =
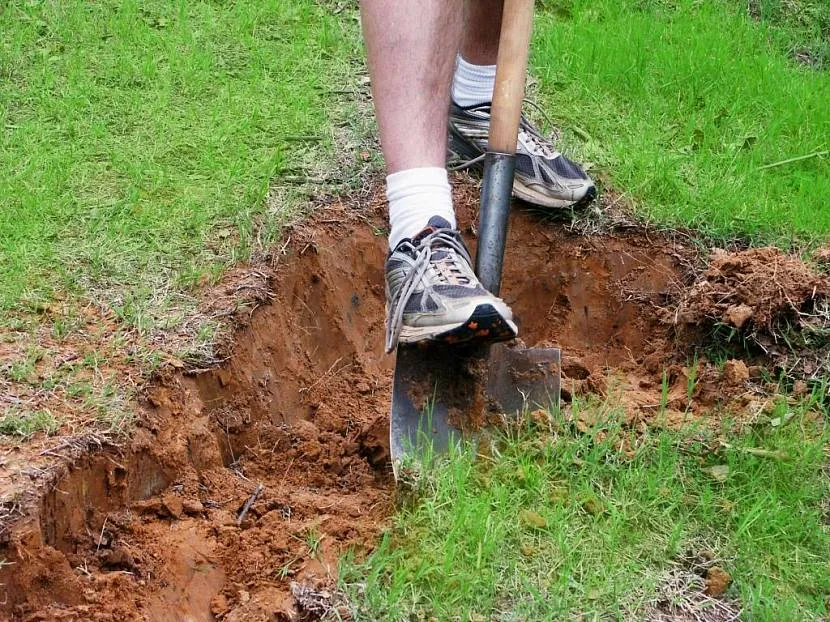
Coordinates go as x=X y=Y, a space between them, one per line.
x=520 y=379
x=440 y=391
x=419 y=423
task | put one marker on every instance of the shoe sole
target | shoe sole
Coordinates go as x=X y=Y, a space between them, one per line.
x=528 y=194
x=485 y=324
x=459 y=150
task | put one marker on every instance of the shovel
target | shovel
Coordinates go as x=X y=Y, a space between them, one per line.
x=441 y=392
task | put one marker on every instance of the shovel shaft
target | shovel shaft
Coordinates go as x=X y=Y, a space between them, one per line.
x=500 y=161
x=496 y=189
x=511 y=73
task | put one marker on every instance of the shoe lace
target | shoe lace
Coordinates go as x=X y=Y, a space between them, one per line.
x=532 y=138
x=535 y=142
x=443 y=250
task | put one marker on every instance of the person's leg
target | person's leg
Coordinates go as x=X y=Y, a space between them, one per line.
x=543 y=175
x=482 y=27
x=411 y=48
x=475 y=72
x=432 y=292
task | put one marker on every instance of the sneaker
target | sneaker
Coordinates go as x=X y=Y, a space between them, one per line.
x=543 y=175
x=433 y=294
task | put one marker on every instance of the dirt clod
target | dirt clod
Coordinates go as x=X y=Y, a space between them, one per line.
x=738 y=315
x=735 y=372
x=118 y=558
x=717 y=581
x=761 y=285
x=172 y=504
x=192 y=507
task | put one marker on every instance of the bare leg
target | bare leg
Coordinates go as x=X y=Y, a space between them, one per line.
x=482 y=26
x=411 y=46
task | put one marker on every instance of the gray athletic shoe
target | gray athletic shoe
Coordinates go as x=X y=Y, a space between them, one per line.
x=433 y=294
x=543 y=175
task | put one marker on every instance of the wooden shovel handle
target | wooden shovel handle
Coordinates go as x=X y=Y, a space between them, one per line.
x=511 y=71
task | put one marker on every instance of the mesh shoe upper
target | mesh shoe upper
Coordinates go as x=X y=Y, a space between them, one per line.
x=543 y=175
x=429 y=280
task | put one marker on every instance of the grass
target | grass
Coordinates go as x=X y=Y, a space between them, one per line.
x=23 y=424
x=139 y=140
x=144 y=147
x=800 y=27
x=560 y=525
x=682 y=103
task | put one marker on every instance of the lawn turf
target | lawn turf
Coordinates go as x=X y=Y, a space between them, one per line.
x=592 y=525
x=139 y=140
x=691 y=109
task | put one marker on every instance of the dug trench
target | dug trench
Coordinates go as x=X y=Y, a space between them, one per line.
x=243 y=484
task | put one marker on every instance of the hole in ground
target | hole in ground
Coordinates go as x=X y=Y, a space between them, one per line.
x=301 y=408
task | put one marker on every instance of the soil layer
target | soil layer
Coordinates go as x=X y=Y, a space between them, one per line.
x=244 y=483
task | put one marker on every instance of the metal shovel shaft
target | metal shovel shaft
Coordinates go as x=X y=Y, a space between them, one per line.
x=495 y=208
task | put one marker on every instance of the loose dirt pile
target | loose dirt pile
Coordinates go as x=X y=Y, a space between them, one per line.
x=158 y=530
x=758 y=288
x=771 y=300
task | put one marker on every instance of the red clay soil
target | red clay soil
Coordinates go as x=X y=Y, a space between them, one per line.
x=153 y=531
x=758 y=287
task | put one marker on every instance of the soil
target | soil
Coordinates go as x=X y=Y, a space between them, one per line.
x=156 y=530
x=758 y=286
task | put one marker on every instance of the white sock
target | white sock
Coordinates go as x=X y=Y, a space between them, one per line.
x=472 y=84
x=416 y=195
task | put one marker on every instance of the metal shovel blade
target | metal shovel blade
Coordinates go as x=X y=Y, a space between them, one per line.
x=441 y=392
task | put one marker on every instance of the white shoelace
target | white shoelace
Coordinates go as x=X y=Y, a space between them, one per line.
x=448 y=272
x=530 y=138
x=534 y=142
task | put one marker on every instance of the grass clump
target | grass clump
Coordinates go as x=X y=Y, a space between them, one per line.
x=800 y=27
x=24 y=424
x=593 y=526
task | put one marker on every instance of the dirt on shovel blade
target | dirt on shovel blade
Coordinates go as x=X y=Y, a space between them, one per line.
x=156 y=530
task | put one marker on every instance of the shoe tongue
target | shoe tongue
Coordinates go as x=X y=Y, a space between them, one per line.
x=437 y=222
x=434 y=223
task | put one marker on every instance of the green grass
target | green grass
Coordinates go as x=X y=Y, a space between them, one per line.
x=25 y=424
x=681 y=103
x=800 y=27
x=138 y=140
x=555 y=526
